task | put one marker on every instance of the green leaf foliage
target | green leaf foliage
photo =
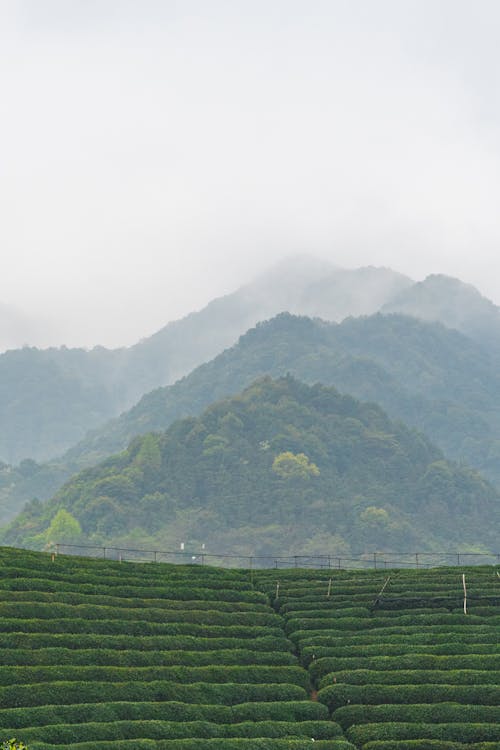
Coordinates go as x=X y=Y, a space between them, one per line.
x=282 y=467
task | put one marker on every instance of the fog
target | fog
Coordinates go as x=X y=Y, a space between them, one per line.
x=155 y=155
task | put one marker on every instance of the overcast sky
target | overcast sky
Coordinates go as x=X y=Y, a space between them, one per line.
x=155 y=154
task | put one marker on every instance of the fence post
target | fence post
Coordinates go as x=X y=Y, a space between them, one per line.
x=375 y=560
x=104 y=553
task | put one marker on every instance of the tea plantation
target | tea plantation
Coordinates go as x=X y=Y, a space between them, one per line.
x=100 y=654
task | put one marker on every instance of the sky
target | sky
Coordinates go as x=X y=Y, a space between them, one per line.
x=155 y=154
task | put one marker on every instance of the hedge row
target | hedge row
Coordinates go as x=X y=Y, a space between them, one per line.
x=328 y=604
x=134 y=627
x=75 y=566
x=308 y=637
x=135 y=658
x=332 y=612
x=428 y=745
x=203 y=744
x=423 y=712
x=324 y=666
x=122 y=576
x=459 y=732
x=125 y=730
x=412 y=677
x=157 y=592
x=289 y=711
x=310 y=653
x=369 y=623
x=65 y=693
x=35 y=641
x=70 y=597
x=292 y=675
x=338 y=695
x=363 y=612
x=41 y=610
x=405 y=636
x=303 y=710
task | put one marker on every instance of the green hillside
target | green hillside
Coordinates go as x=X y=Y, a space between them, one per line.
x=428 y=376
x=282 y=467
x=102 y=655
x=50 y=398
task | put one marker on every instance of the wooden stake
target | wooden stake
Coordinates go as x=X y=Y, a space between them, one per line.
x=277 y=589
x=465 y=593
x=381 y=590
x=329 y=587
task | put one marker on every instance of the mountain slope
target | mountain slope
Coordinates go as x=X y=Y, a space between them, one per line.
x=450 y=301
x=424 y=374
x=282 y=465
x=50 y=398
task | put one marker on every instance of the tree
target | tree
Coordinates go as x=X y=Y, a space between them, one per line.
x=63 y=528
x=290 y=465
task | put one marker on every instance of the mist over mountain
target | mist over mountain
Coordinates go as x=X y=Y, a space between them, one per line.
x=50 y=398
x=450 y=301
x=282 y=466
x=16 y=327
x=424 y=374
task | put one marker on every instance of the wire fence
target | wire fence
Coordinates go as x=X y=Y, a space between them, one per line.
x=371 y=560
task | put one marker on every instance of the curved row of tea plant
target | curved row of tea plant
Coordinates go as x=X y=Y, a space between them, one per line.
x=114 y=655
x=394 y=657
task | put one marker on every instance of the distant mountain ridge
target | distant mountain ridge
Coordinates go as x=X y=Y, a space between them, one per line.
x=449 y=301
x=49 y=399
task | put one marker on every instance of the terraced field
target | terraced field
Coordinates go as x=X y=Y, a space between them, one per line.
x=100 y=654
x=97 y=654
x=401 y=668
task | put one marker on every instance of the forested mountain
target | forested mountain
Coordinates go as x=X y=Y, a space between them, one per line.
x=50 y=398
x=450 y=301
x=283 y=466
x=424 y=374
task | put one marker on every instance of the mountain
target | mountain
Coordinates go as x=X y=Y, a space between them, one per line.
x=282 y=466
x=450 y=301
x=424 y=374
x=50 y=398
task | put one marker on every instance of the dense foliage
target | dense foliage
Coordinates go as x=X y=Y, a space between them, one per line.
x=380 y=696
x=282 y=467
x=50 y=398
x=219 y=685
x=122 y=689
x=430 y=377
